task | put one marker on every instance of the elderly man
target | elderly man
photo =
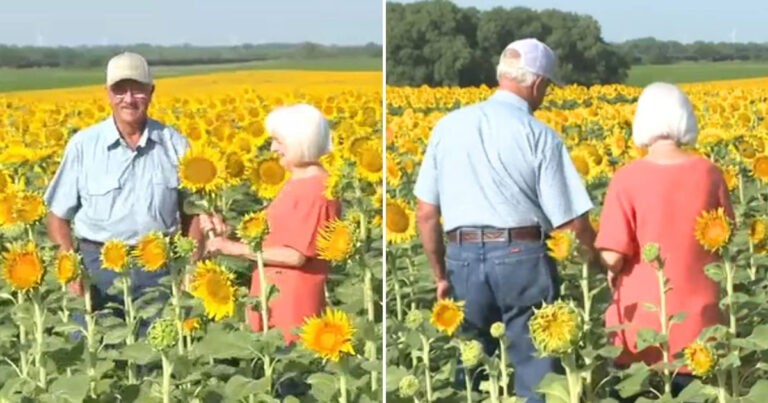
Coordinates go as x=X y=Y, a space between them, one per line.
x=502 y=180
x=118 y=180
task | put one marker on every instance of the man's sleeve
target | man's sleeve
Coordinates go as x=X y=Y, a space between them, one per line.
x=561 y=191
x=62 y=196
x=426 y=183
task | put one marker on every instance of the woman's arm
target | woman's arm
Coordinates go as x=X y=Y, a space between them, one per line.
x=279 y=256
x=613 y=261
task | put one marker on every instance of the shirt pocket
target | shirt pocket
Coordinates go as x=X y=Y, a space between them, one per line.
x=165 y=197
x=102 y=194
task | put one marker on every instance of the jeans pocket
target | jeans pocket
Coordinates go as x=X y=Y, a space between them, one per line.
x=522 y=278
x=456 y=270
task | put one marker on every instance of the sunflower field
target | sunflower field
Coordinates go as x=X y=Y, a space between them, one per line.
x=197 y=346
x=423 y=343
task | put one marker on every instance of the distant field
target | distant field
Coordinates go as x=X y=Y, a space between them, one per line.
x=695 y=72
x=46 y=78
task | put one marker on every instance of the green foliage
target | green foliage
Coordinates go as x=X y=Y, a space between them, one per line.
x=438 y=43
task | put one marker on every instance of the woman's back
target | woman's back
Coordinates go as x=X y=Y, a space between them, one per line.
x=652 y=202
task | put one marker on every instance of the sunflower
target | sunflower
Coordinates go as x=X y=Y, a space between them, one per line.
x=555 y=328
x=757 y=230
x=212 y=284
x=561 y=244
x=5 y=181
x=369 y=163
x=400 y=221
x=253 y=226
x=334 y=183
x=731 y=177
x=114 y=256
x=329 y=335
x=700 y=359
x=202 y=169
x=234 y=167
x=67 y=267
x=394 y=175
x=713 y=229
x=760 y=168
x=335 y=240
x=447 y=315
x=30 y=207
x=7 y=209
x=152 y=251
x=267 y=176
x=22 y=266
x=191 y=325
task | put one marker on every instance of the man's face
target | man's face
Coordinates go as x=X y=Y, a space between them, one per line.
x=130 y=100
x=538 y=92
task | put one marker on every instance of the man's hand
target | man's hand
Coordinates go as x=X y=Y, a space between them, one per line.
x=443 y=289
x=76 y=287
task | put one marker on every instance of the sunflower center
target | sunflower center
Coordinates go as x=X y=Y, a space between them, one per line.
x=371 y=161
x=200 y=170
x=235 y=166
x=25 y=271
x=217 y=289
x=581 y=165
x=271 y=173
x=329 y=338
x=761 y=167
x=397 y=219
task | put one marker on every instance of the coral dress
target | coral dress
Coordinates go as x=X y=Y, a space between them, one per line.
x=295 y=217
x=650 y=202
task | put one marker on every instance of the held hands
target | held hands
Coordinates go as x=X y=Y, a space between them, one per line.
x=216 y=230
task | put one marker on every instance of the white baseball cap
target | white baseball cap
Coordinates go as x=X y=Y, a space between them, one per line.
x=128 y=66
x=536 y=57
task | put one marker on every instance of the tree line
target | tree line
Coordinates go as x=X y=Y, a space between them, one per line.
x=653 y=51
x=438 y=43
x=97 y=56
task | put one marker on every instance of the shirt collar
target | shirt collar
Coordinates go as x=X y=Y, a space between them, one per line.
x=113 y=135
x=511 y=98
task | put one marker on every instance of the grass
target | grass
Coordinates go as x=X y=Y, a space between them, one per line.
x=47 y=78
x=695 y=72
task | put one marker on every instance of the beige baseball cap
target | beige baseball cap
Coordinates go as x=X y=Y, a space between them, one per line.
x=128 y=66
x=537 y=57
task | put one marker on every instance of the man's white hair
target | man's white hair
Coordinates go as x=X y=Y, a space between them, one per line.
x=303 y=128
x=510 y=67
x=664 y=111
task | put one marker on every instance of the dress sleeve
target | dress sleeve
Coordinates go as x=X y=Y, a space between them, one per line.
x=617 y=221
x=299 y=219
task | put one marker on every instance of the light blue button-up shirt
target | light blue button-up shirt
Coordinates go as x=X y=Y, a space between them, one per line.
x=109 y=191
x=494 y=164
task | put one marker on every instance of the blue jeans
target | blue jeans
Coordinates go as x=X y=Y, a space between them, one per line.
x=102 y=279
x=503 y=282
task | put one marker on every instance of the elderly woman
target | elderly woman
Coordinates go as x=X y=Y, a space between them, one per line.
x=657 y=199
x=300 y=136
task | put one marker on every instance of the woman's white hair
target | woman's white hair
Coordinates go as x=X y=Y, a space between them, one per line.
x=303 y=128
x=664 y=112
x=510 y=67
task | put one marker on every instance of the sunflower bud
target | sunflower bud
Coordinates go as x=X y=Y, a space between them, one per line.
x=497 y=330
x=471 y=353
x=650 y=252
x=700 y=359
x=163 y=334
x=183 y=246
x=555 y=328
x=408 y=386
x=414 y=319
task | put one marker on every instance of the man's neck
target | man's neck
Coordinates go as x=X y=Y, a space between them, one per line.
x=131 y=133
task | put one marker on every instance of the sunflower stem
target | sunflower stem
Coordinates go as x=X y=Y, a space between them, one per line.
x=664 y=330
x=268 y=370
x=573 y=378
x=64 y=309
x=167 y=371
x=427 y=374
x=735 y=393
x=504 y=375
x=412 y=279
x=39 y=333
x=23 y=341
x=584 y=282
x=90 y=323
x=343 y=387
x=130 y=322
x=722 y=395
x=396 y=280
x=467 y=384
x=177 y=310
x=264 y=298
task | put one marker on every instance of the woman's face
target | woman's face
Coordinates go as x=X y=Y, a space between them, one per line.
x=288 y=157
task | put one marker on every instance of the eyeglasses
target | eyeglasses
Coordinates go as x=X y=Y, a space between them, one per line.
x=137 y=94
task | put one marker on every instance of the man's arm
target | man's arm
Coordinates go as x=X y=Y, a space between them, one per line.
x=431 y=234
x=59 y=232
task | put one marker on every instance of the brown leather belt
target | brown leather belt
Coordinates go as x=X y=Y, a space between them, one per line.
x=84 y=241
x=495 y=235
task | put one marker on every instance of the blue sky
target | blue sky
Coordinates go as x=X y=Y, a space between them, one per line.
x=680 y=20
x=199 y=22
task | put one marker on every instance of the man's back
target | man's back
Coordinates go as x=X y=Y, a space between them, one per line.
x=494 y=164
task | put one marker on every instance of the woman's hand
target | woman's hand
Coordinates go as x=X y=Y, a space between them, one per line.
x=219 y=244
x=213 y=223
